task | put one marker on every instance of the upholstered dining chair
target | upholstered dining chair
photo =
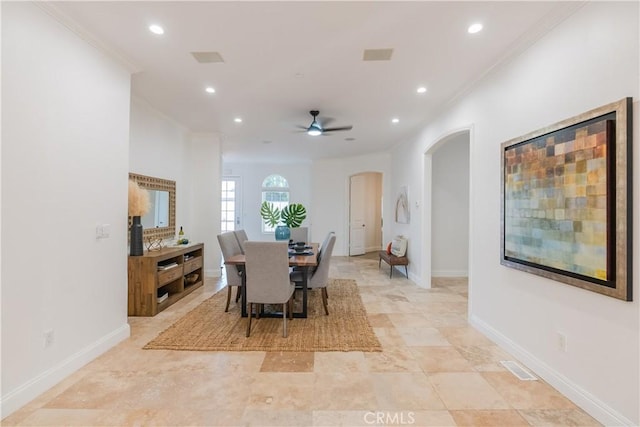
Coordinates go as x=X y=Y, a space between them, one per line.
x=299 y=234
x=230 y=247
x=325 y=242
x=320 y=277
x=242 y=237
x=267 y=281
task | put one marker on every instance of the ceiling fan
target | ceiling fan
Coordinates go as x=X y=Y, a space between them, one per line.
x=318 y=128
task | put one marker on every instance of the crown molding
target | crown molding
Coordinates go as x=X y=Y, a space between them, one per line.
x=52 y=10
x=544 y=25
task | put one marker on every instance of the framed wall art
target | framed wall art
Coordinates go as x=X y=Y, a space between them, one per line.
x=402 y=206
x=566 y=210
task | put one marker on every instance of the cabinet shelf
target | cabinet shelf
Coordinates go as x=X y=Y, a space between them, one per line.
x=160 y=272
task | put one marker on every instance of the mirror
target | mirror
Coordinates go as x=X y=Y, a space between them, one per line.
x=160 y=221
x=158 y=215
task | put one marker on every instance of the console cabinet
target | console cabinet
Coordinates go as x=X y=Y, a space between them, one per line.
x=158 y=279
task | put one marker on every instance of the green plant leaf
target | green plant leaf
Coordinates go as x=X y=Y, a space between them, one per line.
x=270 y=214
x=293 y=215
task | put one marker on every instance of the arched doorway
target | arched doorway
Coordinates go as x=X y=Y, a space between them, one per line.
x=446 y=222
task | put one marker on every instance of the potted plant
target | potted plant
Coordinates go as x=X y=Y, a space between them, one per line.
x=291 y=216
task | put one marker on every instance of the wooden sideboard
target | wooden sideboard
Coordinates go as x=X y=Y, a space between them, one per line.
x=164 y=272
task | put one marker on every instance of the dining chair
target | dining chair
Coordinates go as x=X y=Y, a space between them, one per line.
x=267 y=280
x=300 y=234
x=230 y=247
x=241 y=235
x=325 y=242
x=324 y=245
x=319 y=279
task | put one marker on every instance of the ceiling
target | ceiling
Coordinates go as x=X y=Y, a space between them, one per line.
x=283 y=59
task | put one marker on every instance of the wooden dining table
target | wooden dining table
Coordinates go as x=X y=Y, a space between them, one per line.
x=302 y=262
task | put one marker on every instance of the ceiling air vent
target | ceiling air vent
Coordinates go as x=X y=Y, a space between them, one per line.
x=377 y=54
x=207 y=57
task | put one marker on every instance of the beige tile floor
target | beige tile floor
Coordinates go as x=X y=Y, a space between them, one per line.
x=435 y=370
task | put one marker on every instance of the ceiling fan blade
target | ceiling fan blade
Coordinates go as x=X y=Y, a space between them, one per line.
x=337 y=128
x=326 y=121
x=302 y=127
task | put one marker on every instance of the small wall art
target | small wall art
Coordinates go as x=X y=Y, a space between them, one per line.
x=567 y=201
x=403 y=213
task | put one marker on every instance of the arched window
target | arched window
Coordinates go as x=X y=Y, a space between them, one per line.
x=275 y=189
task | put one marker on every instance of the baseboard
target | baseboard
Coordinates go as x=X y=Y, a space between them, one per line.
x=28 y=391
x=416 y=279
x=216 y=272
x=585 y=400
x=449 y=273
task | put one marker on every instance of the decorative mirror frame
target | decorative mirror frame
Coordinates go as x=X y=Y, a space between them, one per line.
x=153 y=183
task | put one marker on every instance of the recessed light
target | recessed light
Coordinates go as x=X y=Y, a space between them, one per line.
x=156 y=29
x=474 y=28
x=395 y=120
x=421 y=89
x=238 y=120
x=210 y=90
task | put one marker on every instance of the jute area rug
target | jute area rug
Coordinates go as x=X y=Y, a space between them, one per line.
x=208 y=328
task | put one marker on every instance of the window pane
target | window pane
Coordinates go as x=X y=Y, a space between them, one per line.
x=275 y=181
x=275 y=196
x=275 y=190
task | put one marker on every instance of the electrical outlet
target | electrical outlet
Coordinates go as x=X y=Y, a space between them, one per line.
x=562 y=342
x=48 y=338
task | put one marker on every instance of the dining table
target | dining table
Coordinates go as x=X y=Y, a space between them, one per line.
x=302 y=262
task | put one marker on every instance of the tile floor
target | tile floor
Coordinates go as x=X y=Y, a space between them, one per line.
x=435 y=370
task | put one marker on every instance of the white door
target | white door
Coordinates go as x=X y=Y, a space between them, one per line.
x=356 y=215
x=231 y=214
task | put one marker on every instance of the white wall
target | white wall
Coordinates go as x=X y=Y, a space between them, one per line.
x=589 y=60
x=450 y=208
x=251 y=177
x=163 y=148
x=159 y=147
x=330 y=195
x=203 y=191
x=65 y=131
x=326 y=180
x=406 y=170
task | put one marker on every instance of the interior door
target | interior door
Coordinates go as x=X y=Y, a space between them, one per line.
x=356 y=215
x=231 y=214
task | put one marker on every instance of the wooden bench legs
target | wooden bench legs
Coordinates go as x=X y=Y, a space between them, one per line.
x=393 y=260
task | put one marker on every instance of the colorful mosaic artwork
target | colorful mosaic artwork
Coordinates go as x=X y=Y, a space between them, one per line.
x=555 y=200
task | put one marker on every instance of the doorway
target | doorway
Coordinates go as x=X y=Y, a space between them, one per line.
x=365 y=213
x=230 y=206
x=446 y=232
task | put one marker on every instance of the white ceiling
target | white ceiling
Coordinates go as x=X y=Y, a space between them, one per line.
x=282 y=59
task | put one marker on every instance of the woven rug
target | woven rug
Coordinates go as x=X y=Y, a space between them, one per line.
x=208 y=328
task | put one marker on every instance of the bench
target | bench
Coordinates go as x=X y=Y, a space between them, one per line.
x=393 y=260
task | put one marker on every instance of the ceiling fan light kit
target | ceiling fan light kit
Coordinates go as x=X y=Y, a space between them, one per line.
x=315 y=128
